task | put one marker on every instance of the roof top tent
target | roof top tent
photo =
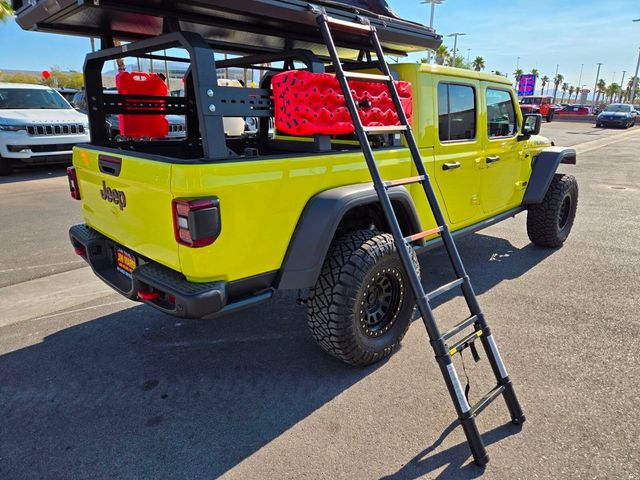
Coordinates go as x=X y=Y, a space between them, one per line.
x=259 y=32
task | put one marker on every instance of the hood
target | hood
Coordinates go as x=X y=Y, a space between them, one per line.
x=42 y=116
x=528 y=107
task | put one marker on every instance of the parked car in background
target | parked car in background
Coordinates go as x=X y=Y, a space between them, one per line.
x=538 y=104
x=37 y=125
x=67 y=93
x=617 y=115
x=575 y=110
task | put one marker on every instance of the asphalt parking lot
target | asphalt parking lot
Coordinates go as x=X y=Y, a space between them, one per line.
x=94 y=386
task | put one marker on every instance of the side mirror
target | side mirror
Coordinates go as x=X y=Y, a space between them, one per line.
x=531 y=125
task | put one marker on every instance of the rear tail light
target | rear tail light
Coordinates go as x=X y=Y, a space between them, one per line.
x=73 y=183
x=196 y=222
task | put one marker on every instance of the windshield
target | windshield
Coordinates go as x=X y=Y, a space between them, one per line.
x=618 y=108
x=31 y=98
x=530 y=101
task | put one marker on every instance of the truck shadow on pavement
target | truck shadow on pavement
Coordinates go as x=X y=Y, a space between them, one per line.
x=488 y=261
x=137 y=394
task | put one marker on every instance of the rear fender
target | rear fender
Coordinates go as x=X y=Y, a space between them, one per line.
x=318 y=225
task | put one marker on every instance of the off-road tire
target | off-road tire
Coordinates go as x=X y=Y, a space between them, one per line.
x=339 y=304
x=550 y=116
x=5 y=167
x=549 y=223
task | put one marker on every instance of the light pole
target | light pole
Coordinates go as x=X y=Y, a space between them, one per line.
x=518 y=63
x=596 y=87
x=580 y=81
x=433 y=12
x=468 y=56
x=455 y=45
x=624 y=72
x=635 y=79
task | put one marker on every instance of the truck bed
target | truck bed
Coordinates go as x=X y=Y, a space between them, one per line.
x=239 y=26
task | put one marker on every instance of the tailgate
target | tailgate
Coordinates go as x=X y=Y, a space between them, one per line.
x=128 y=199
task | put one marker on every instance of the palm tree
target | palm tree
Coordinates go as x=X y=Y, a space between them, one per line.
x=545 y=81
x=460 y=63
x=442 y=54
x=5 y=10
x=557 y=80
x=518 y=73
x=478 y=64
x=571 y=90
x=601 y=87
x=612 y=91
x=565 y=87
x=534 y=71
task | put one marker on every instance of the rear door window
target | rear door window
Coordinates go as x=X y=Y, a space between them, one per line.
x=456 y=112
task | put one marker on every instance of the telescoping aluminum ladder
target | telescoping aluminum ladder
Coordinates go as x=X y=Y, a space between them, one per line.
x=444 y=351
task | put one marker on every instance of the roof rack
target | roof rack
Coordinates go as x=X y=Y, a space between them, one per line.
x=241 y=26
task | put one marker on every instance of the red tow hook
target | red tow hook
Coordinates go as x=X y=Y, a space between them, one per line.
x=148 y=295
x=81 y=251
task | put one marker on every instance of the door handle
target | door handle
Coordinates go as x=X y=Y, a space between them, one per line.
x=451 y=166
x=493 y=159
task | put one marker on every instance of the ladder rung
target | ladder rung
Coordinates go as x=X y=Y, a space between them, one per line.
x=343 y=24
x=421 y=235
x=487 y=399
x=465 y=342
x=380 y=130
x=404 y=181
x=444 y=289
x=459 y=327
x=368 y=76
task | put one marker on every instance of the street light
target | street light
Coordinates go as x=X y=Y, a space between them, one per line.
x=635 y=79
x=596 y=87
x=433 y=12
x=455 y=45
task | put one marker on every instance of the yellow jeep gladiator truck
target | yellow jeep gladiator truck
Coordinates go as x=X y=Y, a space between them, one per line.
x=205 y=225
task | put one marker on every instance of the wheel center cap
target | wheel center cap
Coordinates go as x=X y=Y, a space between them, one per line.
x=372 y=297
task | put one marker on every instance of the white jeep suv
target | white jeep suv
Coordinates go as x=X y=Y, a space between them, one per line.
x=37 y=125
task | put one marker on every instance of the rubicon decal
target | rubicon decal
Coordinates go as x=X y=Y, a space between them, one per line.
x=113 y=196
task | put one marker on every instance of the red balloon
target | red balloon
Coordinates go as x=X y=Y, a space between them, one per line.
x=46 y=74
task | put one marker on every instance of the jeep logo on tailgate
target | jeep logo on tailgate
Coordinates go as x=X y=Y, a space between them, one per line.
x=114 y=196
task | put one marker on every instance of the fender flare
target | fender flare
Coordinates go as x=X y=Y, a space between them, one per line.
x=544 y=167
x=318 y=224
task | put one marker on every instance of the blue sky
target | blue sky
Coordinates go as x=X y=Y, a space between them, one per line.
x=542 y=33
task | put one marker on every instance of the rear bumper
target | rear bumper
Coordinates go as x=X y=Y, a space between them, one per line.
x=172 y=293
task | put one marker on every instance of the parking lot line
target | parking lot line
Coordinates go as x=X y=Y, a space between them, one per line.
x=585 y=147
x=47 y=295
